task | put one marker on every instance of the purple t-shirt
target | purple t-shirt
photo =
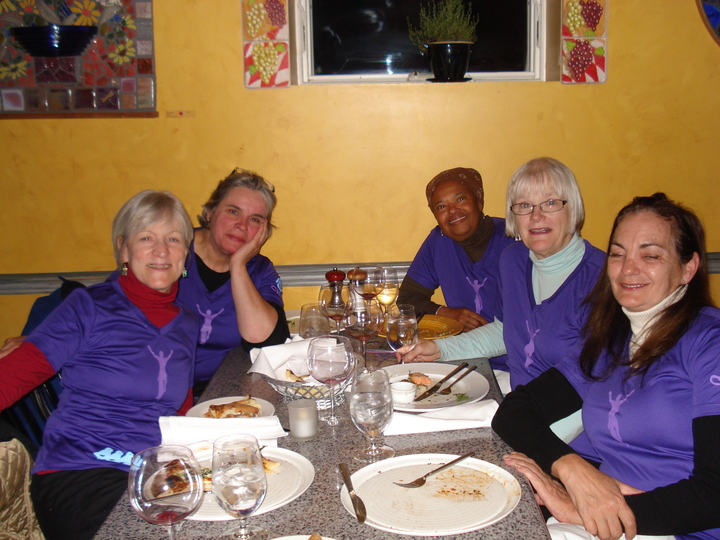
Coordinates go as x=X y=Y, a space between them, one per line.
x=120 y=373
x=216 y=310
x=641 y=430
x=538 y=336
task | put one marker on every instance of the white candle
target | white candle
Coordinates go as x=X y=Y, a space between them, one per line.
x=303 y=418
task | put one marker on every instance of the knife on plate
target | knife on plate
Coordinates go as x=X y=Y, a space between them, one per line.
x=435 y=387
x=358 y=505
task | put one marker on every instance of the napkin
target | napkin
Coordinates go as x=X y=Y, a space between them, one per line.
x=465 y=416
x=190 y=430
x=274 y=360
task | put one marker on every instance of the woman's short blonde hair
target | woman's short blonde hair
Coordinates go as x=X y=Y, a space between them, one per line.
x=550 y=174
x=144 y=209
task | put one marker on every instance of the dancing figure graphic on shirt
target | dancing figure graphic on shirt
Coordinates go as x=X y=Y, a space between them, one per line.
x=206 y=328
x=529 y=349
x=162 y=361
x=476 y=285
x=615 y=404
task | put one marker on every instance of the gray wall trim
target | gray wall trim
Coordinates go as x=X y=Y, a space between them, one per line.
x=293 y=275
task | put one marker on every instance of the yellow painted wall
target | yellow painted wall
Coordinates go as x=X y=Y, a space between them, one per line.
x=350 y=162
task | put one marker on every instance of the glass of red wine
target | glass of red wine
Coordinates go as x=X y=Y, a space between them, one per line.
x=333 y=300
x=363 y=321
x=331 y=360
x=165 y=485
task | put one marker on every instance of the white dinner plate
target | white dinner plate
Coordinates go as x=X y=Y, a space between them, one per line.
x=285 y=484
x=466 y=497
x=472 y=388
x=266 y=408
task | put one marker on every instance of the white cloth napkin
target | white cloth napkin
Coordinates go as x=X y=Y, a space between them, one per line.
x=191 y=430
x=274 y=360
x=465 y=416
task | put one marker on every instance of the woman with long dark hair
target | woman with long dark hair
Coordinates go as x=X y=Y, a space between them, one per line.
x=648 y=385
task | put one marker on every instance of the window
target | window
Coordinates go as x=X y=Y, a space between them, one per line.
x=351 y=41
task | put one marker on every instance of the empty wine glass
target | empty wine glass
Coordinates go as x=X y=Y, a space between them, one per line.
x=239 y=482
x=330 y=361
x=371 y=409
x=333 y=300
x=402 y=326
x=165 y=485
x=363 y=321
x=313 y=322
x=388 y=285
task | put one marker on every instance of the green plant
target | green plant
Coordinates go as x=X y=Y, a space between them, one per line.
x=444 y=20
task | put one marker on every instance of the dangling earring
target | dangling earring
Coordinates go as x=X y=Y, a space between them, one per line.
x=517 y=238
x=124 y=269
x=184 y=274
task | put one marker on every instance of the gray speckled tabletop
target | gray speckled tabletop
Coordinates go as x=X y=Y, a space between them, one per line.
x=319 y=509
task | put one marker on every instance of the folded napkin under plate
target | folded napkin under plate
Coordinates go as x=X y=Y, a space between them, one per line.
x=193 y=431
x=465 y=416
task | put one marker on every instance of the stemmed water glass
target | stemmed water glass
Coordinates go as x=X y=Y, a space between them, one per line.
x=363 y=321
x=388 y=286
x=333 y=300
x=371 y=409
x=165 y=485
x=239 y=483
x=402 y=326
x=330 y=361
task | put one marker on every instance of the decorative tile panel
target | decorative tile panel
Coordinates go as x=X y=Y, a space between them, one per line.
x=114 y=74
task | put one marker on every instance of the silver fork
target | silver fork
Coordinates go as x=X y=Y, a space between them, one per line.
x=419 y=482
x=446 y=391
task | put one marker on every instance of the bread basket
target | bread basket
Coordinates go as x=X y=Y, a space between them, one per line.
x=308 y=390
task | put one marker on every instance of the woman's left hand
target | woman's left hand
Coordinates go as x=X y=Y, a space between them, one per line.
x=548 y=491
x=251 y=248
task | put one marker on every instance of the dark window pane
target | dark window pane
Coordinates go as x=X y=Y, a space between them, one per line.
x=371 y=37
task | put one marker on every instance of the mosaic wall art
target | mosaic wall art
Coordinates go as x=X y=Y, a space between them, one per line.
x=113 y=75
x=584 y=41
x=266 y=44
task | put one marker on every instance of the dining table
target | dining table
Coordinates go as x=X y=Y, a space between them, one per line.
x=319 y=509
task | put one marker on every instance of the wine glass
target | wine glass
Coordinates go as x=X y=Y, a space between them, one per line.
x=165 y=485
x=313 y=322
x=402 y=326
x=365 y=281
x=239 y=483
x=371 y=409
x=389 y=287
x=363 y=321
x=333 y=300
x=331 y=360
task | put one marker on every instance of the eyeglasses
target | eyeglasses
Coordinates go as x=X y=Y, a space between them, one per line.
x=549 y=206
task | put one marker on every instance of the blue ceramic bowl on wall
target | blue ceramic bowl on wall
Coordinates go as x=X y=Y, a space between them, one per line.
x=54 y=40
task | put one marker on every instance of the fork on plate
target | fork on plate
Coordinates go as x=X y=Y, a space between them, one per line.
x=419 y=482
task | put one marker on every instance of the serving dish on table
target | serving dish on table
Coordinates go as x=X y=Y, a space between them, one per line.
x=199 y=410
x=284 y=484
x=470 y=389
x=466 y=497
x=437 y=326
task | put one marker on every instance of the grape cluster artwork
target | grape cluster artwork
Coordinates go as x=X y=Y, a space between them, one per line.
x=584 y=41
x=266 y=43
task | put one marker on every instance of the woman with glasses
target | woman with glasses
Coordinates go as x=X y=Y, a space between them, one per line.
x=543 y=280
x=235 y=291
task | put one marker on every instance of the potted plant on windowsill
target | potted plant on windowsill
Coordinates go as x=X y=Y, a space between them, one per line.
x=446 y=30
x=56 y=28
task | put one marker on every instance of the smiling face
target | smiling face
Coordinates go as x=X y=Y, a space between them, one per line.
x=543 y=233
x=156 y=254
x=237 y=219
x=643 y=265
x=456 y=209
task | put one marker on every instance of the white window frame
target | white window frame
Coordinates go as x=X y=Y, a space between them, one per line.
x=543 y=51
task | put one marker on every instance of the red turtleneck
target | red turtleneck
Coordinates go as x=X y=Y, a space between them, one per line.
x=27 y=367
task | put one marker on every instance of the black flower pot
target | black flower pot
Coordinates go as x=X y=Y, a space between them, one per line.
x=449 y=60
x=54 y=40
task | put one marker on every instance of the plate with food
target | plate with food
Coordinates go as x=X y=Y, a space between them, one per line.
x=470 y=389
x=232 y=407
x=288 y=476
x=437 y=326
x=466 y=497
